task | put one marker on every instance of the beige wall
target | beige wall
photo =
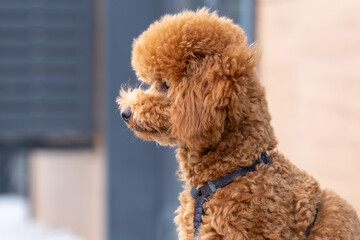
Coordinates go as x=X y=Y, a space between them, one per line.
x=68 y=191
x=311 y=69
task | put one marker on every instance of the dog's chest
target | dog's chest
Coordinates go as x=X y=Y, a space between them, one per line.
x=246 y=209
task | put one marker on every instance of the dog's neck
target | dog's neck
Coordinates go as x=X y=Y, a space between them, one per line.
x=239 y=147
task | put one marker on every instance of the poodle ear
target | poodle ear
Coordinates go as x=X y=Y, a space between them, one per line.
x=199 y=110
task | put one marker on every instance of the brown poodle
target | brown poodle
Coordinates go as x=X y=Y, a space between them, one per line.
x=205 y=97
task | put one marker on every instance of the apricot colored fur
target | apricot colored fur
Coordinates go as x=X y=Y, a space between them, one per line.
x=215 y=111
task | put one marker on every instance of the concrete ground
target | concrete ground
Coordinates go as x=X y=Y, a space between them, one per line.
x=15 y=223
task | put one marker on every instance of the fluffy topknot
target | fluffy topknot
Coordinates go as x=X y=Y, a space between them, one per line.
x=169 y=46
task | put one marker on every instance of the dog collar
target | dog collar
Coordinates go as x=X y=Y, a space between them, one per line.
x=211 y=187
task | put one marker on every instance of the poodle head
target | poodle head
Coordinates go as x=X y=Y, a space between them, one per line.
x=201 y=77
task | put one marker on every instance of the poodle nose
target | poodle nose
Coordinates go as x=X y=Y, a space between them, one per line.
x=126 y=114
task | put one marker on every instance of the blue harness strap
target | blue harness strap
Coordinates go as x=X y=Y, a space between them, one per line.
x=308 y=229
x=211 y=187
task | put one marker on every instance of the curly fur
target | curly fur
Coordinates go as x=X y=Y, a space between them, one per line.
x=215 y=111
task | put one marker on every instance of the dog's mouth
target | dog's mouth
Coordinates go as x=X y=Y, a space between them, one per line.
x=152 y=133
x=138 y=129
x=143 y=127
x=133 y=125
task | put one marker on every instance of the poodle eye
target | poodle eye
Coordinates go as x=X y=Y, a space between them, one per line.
x=164 y=87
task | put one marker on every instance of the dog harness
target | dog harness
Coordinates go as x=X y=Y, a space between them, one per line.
x=308 y=229
x=210 y=187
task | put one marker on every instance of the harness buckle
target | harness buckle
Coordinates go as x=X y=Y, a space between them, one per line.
x=211 y=186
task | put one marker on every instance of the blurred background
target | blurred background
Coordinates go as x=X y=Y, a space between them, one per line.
x=69 y=167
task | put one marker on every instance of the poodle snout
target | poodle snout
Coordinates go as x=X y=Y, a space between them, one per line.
x=126 y=114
